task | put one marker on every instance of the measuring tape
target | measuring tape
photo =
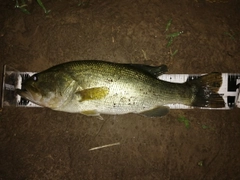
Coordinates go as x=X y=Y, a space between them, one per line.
x=229 y=89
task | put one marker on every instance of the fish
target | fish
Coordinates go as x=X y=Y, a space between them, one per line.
x=95 y=87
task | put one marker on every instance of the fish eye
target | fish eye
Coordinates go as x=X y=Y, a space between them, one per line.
x=35 y=77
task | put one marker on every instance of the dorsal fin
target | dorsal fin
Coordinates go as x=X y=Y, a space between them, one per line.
x=153 y=70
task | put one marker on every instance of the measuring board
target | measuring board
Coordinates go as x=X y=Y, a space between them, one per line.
x=229 y=90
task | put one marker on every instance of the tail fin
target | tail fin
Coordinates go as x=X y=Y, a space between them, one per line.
x=205 y=89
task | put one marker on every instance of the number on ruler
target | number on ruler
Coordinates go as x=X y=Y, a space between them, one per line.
x=232 y=87
x=24 y=101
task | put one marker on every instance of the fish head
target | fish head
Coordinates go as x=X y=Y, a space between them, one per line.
x=48 y=88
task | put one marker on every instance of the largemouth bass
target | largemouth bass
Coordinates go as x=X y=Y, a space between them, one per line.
x=97 y=87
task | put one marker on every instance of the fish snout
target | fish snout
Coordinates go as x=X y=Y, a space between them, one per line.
x=24 y=93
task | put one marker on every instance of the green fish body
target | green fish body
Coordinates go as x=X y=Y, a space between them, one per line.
x=97 y=87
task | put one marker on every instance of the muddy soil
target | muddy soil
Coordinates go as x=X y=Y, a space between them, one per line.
x=38 y=143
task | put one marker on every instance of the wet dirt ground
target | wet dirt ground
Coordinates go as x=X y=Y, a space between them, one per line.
x=38 y=143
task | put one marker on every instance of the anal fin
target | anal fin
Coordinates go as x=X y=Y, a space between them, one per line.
x=156 y=112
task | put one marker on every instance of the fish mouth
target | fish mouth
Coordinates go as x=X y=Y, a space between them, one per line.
x=25 y=94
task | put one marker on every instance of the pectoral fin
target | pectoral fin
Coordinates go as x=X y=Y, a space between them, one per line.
x=92 y=93
x=156 y=112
